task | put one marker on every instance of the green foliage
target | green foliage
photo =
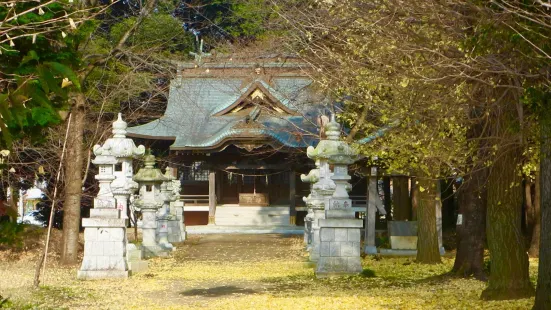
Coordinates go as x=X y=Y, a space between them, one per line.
x=38 y=57
x=11 y=234
x=158 y=32
x=247 y=19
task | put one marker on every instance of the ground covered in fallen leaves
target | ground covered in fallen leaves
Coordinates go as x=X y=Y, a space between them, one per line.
x=248 y=272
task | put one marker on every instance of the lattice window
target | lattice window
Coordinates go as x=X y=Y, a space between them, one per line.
x=195 y=172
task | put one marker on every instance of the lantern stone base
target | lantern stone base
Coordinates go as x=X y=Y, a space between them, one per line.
x=176 y=233
x=370 y=250
x=101 y=274
x=134 y=259
x=149 y=251
x=104 y=249
x=339 y=247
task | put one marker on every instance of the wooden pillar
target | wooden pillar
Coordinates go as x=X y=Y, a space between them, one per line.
x=212 y=197
x=292 y=197
x=219 y=182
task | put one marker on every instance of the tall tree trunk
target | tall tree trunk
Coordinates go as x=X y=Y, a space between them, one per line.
x=73 y=182
x=387 y=199
x=428 y=251
x=471 y=226
x=509 y=278
x=534 y=250
x=543 y=291
x=400 y=199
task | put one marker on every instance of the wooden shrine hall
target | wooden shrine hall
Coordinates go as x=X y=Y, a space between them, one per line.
x=236 y=132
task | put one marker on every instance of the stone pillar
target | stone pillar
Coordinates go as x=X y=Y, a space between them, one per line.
x=149 y=226
x=104 y=231
x=374 y=203
x=212 y=197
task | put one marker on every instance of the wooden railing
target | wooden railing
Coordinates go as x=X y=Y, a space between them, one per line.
x=195 y=200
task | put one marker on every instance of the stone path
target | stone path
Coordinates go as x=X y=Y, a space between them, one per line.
x=244 y=247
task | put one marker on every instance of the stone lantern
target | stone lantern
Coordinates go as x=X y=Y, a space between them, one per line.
x=150 y=179
x=104 y=231
x=321 y=192
x=312 y=177
x=339 y=230
x=176 y=227
x=124 y=150
x=163 y=214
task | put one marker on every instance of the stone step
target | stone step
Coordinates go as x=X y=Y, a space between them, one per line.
x=256 y=220
x=253 y=210
x=137 y=266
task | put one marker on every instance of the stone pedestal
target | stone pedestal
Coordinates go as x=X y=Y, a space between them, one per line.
x=176 y=227
x=339 y=247
x=104 y=249
x=134 y=258
x=104 y=231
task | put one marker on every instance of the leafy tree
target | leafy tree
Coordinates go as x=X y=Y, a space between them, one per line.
x=427 y=75
x=35 y=62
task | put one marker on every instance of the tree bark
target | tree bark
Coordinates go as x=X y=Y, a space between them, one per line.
x=534 y=250
x=400 y=199
x=543 y=291
x=73 y=182
x=428 y=251
x=509 y=278
x=471 y=227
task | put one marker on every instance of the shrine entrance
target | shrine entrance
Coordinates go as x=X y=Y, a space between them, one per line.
x=238 y=188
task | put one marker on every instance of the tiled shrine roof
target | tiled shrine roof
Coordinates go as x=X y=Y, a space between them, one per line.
x=211 y=111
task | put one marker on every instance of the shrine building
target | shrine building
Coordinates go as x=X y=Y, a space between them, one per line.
x=236 y=133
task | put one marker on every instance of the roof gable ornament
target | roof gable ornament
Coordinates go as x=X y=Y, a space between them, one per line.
x=256 y=96
x=199 y=54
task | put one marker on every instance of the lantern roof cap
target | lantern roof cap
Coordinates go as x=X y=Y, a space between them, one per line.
x=119 y=145
x=149 y=173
